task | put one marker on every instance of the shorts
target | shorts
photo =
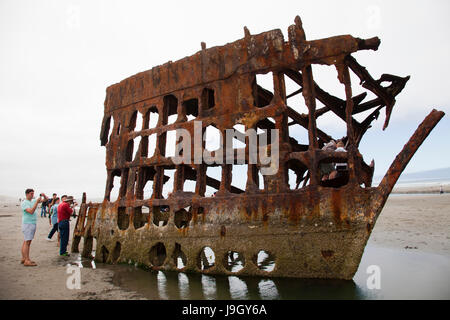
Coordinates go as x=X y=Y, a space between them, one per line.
x=28 y=230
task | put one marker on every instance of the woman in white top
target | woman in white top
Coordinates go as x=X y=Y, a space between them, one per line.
x=340 y=148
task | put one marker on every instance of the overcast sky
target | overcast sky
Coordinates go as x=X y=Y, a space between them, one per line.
x=58 y=57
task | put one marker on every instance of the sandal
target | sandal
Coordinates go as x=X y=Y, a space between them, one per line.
x=30 y=264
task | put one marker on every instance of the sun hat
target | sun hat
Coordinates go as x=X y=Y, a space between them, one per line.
x=69 y=198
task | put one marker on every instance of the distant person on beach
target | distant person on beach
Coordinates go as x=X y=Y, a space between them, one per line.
x=64 y=212
x=51 y=203
x=441 y=190
x=29 y=224
x=53 y=219
x=44 y=205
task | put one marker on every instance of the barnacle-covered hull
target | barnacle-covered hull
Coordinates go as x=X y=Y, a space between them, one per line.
x=315 y=228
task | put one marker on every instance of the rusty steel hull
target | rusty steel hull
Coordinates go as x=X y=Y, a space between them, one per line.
x=315 y=229
x=322 y=237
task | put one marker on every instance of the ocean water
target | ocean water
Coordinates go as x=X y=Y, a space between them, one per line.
x=423 y=183
x=417 y=182
x=383 y=274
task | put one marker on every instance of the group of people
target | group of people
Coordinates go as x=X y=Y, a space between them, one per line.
x=332 y=170
x=60 y=210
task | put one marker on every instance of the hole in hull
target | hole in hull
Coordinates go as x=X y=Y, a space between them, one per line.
x=140 y=217
x=157 y=254
x=265 y=261
x=179 y=258
x=234 y=261
x=182 y=218
x=206 y=259
x=161 y=215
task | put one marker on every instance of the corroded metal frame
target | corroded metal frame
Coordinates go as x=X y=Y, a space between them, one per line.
x=317 y=230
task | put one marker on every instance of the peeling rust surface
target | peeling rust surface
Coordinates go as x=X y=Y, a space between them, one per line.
x=315 y=229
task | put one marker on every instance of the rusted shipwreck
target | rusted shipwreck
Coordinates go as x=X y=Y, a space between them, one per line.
x=314 y=229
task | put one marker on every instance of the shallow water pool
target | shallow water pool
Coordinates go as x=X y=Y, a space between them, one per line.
x=383 y=274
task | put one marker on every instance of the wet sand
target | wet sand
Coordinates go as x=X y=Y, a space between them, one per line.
x=418 y=223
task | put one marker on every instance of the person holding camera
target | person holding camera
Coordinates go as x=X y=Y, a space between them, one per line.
x=64 y=213
x=29 y=224
x=44 y=205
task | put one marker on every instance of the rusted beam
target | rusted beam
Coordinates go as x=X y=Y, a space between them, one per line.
x=297 y=117
x=410 y=148
x=366 y=124
x=331 y=102
x=294 y=93
x=191 y=175
x=369 y=44
x=396 y=86
x=369 y=83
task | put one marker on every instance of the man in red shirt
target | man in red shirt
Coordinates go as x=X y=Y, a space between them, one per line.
x=64 y=212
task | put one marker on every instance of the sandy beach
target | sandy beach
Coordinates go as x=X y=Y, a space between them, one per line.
x=48 y=280
x=408 y=222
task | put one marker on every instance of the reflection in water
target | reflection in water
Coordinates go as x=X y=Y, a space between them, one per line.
x=207 y=258
x=183 y=284
x=238 y=288
x=268 y=290
x=235 y=261
x=162 y=285
x=265 y=261
x=402 y=273
x=209 y=287
x=173 y=285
